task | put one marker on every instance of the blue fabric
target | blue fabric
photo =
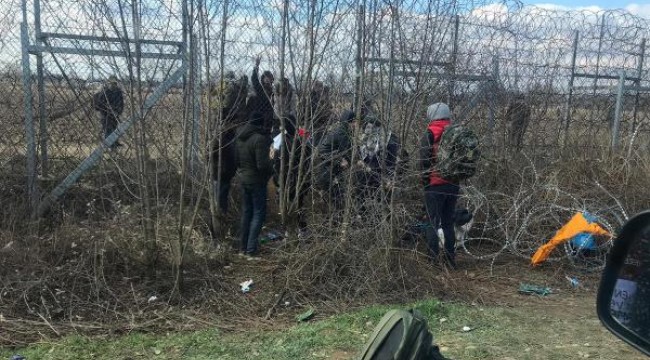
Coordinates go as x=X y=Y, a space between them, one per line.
x=584 y=241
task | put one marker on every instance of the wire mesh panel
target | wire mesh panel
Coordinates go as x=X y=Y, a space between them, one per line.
x=527 y=80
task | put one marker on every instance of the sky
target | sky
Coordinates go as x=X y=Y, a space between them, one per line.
x=638 y=7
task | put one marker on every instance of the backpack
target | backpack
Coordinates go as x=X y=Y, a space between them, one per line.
x=458 y=153
x=401 y=335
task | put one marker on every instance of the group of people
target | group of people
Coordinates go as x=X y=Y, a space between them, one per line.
x=260 y=138
x=266 y=134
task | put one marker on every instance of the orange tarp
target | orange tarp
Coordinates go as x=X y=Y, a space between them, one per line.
x=578 y=224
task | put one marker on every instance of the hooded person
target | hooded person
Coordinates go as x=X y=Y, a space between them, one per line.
x=440 y=194
x=255 y=170
x=292 y=164
x=379 y=151
x=319 y=110
x=230 y=97
x=334 y=153
x=285 y=99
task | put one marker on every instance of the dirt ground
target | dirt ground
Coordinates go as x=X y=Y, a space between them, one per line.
x=481 y=294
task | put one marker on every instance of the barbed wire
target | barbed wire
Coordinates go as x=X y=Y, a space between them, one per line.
x=413 y=53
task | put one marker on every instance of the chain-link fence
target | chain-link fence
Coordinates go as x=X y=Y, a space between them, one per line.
x=526 y=79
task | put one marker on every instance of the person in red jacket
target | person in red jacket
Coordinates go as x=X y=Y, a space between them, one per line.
x=440 y=195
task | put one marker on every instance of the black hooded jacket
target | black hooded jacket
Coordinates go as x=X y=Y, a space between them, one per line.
x=254 y=163
x=109 y=101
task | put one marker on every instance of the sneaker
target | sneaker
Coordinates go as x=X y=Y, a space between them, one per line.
x=253 y=257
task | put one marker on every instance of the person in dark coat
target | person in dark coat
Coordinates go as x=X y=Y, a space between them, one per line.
x=379 y=152
x=440 y=194
x=293 y=162
x=261 y=100
x=334 y=153
x=255 y=170
x=285 y=99
x=232 y=97
x=109 y=102
x=320 y=111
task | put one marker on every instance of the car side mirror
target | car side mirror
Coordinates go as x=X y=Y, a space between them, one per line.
x=623 y=303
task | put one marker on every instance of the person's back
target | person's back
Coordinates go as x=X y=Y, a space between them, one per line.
x=292 y=164
x=320 y=110
x=234 y=96
x=440 y=194
x=109 y=100
x=294 y=151
x=255 y=169
x=285 y=99
x=337 y=143
x=428 y=155
x=253 y=144
x=379 y=148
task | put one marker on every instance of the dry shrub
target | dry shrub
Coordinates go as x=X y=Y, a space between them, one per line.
x=88 y=260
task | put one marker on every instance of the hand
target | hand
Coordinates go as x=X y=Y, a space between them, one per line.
x=257 y=62
x=344 y=163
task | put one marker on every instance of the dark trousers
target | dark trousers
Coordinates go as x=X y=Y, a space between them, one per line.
x=253 y=216
x=109 y=124
x=223 y=192
x=367 y=186
x=326 y=179
x=228 y=168
x=440 y=201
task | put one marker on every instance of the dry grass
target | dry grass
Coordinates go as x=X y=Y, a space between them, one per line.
x=87 y=262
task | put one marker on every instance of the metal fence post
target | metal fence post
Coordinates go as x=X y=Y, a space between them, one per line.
x=567 y=106
x=600 y=48
x=196 y=109
x=358 y=62
x=97 y=154
x=617 y=113
x=42 y=119
x=452 y=64
x=492 y=95
x=32 y=188
x=637 y=85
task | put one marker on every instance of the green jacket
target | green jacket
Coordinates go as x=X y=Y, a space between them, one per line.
x=253 y=146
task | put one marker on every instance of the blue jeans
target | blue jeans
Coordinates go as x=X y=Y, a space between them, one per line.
x=253 y=216
x=440 y=201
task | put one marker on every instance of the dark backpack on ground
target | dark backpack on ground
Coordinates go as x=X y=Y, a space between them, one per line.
x=458 y=153
x=401 y=335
